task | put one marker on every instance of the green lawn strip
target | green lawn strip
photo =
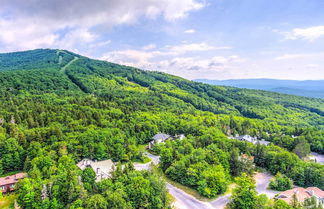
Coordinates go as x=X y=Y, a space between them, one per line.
x=146 y=160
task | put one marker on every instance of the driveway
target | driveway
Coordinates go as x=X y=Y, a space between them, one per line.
x=154 y=159
x=262 y=181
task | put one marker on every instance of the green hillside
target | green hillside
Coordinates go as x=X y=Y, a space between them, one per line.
x=41 y=71
x=57 y=107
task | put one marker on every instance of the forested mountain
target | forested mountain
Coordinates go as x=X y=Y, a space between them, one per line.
x=307 y=88
x=57 y=107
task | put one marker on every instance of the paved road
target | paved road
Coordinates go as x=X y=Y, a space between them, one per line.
x=221 y=202
x=182 y=199
x=186 y=201
x=154 y=159
x=319 y=157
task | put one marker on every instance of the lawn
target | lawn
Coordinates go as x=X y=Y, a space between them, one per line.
x=7 y=201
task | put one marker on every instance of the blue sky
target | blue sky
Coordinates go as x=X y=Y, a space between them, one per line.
x=213 y=39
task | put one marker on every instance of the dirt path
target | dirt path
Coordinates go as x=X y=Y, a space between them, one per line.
x=68 y=64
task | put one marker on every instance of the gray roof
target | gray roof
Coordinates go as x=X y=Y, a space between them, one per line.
x=101 y=168
x=263 y=142
x=161 y=136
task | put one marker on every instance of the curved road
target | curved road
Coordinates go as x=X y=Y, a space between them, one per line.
x=186 y=201
x=319 y=157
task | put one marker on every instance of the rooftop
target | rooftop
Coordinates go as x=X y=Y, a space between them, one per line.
x=101 y=168
x=161 y=136
x=301 y=194
x=12 y=179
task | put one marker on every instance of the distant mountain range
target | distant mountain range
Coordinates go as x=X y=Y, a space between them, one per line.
x=307 y=88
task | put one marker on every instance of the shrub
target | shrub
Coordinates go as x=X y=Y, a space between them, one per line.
x=280 y=183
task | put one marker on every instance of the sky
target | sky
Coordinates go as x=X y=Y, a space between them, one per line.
x=194 y=39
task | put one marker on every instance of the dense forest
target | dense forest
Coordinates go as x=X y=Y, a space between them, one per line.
x=57 y=107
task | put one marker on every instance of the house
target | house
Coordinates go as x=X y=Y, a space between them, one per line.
x=247 y=138
x=7 y=183
x=161 y=138
x=250 y=139
x=263 y=142
x=302 y=194
x=158 y=138
x=179 y=137
x=101 y=168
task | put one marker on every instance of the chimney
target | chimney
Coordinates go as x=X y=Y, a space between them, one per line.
x=98 y=169
x=311 y=192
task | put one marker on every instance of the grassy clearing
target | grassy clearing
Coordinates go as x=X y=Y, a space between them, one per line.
x=144 y=161
x=7 y=201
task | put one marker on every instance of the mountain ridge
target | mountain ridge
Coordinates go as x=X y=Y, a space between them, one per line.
x=308 y=88
x=95 y=76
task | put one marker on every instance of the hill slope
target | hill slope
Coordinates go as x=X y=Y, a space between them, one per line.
x=299 y=88
x=57 y=108
x=84 y=75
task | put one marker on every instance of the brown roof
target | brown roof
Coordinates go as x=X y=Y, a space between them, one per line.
x=301 y=194
x=317 y=191
x=12 y=179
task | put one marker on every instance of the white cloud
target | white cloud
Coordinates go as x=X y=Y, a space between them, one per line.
x=19 y=35
x=75 y=37
x=38 y=23
x=141 y=58
x=309 y=34
x=189 y=31
x=312 y=66
x=299 y=56
x=109 y=12
x=100 y=44
x=289 y=56
x=134 y=58
x=149 y=47
x=194 y=47
x=172 y=61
